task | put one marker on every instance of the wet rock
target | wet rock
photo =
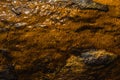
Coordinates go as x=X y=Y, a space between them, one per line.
x=18 y=8
x=97 y=58
x=83 y=67
x=83 y=4
x=30 y=60
x=43 y=68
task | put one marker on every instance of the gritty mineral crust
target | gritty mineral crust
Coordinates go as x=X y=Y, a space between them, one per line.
x=59 y=40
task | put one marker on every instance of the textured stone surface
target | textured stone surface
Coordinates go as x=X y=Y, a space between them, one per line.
x=59 y=41
x=97 y=58
x=82 y=4
x=87 y=66
x=7 y=71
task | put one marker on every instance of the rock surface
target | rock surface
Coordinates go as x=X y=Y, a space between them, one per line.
x=82 y=4
x=7 y=71
x=59 y=40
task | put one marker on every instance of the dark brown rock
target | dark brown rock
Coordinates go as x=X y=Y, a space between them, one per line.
x=7 y=71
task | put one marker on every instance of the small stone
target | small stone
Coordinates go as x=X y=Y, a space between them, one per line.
x=16 y=11
x=43 y=25
x=21 y=24
x=29 y=26
x=40 y=25
x=27 y=12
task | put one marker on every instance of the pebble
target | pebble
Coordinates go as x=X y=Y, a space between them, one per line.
x=21 y=24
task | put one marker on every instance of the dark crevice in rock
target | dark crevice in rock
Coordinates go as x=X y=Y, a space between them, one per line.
x=87 y=27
